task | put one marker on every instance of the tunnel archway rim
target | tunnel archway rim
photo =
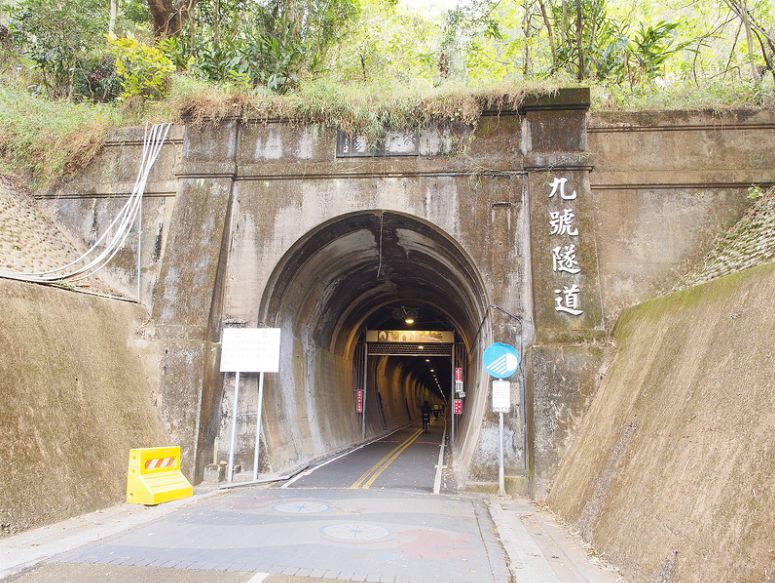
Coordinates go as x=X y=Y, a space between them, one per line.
x=481 y=301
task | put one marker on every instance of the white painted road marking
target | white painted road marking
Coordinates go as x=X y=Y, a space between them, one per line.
x=439 y=465
x=258 y=577
x=306 y=473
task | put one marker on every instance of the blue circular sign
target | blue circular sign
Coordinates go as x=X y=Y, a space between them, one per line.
x=501 y=360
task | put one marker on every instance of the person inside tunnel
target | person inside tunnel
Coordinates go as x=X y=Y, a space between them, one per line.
x=426 y=416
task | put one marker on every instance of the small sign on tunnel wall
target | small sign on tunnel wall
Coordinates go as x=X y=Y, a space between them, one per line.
x=458 y=404
x=250 y=350
x=359 y=401
x=501 y=396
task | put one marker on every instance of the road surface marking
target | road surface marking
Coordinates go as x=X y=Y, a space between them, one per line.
x=382 y=464
x=258 y=577
x=306 y=473
x=439 y=465
x=393 y=458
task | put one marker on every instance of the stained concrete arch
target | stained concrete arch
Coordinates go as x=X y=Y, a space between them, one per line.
x=341 y=277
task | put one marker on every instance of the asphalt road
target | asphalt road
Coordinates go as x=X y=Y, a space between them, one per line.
x=368 y=515
x=405 y=459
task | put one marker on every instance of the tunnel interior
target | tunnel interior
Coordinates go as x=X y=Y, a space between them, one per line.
x=358 y=272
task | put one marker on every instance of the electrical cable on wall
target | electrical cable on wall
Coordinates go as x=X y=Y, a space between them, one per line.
x=95 y=259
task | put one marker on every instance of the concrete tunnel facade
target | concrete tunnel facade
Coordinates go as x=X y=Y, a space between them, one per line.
x=279 y=225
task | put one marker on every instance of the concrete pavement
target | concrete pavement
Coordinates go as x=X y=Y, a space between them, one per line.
x=367 y=516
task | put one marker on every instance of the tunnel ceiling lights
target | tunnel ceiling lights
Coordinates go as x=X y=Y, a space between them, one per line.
x=408 y=315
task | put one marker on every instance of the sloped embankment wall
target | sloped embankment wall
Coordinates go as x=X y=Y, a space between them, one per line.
x=74 y=399
x=671 y=473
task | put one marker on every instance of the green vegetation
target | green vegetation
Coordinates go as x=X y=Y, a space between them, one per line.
x=71 y=70
x=142 y=70
x=44 y=139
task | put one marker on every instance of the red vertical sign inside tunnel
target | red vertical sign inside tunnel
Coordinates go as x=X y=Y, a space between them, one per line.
x=359 y=401
x=458 y=375
x=458 y=406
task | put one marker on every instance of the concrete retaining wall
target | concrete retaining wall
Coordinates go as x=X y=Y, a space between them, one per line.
x=671 y=473
x=76 y=385
x=665 y=184
x=230 y=201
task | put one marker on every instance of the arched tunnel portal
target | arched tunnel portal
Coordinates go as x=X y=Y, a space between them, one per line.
x=357 y=272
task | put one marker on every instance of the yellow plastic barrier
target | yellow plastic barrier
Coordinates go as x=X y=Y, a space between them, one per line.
x=154 y=476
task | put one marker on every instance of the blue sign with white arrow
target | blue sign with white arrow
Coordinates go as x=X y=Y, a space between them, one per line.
x=501 y=360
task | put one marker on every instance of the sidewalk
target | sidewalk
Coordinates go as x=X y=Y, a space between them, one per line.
x=543 y=551
x=273 y=536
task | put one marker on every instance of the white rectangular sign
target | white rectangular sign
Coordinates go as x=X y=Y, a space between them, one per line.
x=501 y=396
x=250 y=350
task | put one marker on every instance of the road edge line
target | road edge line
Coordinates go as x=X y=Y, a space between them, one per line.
x=440 y=464
x=309 y=471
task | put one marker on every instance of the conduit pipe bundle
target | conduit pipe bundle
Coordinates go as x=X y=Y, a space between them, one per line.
x=98 y=255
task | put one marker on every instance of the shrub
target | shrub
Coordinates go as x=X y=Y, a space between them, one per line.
x=143 y=70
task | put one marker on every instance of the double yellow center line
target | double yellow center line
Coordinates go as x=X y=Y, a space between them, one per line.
x=370 y=476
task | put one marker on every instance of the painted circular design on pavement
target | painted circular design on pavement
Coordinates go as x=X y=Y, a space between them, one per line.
x=354 y=532
x=301 y=507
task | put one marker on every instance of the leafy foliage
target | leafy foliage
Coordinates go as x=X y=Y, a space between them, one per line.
x=59 y=37
x=359 y=65
x=143 y=70
x=270 y=44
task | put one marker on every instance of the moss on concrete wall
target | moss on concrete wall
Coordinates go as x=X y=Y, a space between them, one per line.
x=671 y=473
x=75 y=397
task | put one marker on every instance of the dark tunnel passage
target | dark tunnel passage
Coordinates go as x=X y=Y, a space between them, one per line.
x=358 y=272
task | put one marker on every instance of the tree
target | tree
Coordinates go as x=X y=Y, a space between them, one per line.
x=170 y=17
x=59 y=37
x=271 y=43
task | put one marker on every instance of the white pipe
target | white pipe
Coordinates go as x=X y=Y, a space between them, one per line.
x=120 y=215
x=153 y=142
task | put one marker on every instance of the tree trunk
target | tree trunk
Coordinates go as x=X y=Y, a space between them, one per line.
x=113 y=17
x=749 y=41
x=579 y=41
x=168 y=17
x=526 y=30
x=550 y=32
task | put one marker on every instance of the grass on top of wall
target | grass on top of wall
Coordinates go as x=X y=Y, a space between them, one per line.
x=44 y=141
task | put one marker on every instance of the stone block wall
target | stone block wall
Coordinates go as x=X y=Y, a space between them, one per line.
x=750 y=242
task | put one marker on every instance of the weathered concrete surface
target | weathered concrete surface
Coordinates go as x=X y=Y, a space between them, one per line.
x=665 y=183
x=561 y=382
x=92 y=199
x=661 y=187
x=671 y=473
x=320 y=243
x=76 y=385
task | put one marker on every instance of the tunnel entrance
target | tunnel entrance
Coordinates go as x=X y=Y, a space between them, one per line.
x=431 y=357
x=333 y=294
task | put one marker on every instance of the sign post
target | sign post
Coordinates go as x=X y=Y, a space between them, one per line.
x=230 y=467
x=249 y=350
x=501 y=361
